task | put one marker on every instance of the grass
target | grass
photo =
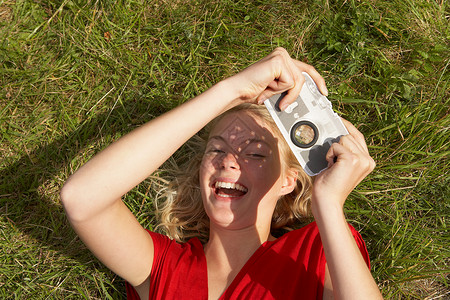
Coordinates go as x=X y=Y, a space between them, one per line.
x=76 y=75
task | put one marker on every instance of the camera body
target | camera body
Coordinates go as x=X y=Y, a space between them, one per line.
x=309 y=126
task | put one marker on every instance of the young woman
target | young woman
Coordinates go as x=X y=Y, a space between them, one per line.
x=246 y=184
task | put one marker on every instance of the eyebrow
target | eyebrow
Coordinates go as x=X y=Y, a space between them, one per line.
x=250 y=141
x=216 y=137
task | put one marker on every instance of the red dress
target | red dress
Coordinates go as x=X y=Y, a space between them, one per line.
x=291 y=267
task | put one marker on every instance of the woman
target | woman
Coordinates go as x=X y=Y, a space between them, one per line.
x=243 y=174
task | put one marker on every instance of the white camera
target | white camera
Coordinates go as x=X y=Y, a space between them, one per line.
x=309 y=126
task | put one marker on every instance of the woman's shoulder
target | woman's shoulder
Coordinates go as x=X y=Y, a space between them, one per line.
x=307 y=239
x=163 y=243
x=309 y=236
x=308 y=230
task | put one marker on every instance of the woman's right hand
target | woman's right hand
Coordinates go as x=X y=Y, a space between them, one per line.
x=274 y=74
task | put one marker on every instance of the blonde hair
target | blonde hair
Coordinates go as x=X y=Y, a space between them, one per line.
x=181 y=213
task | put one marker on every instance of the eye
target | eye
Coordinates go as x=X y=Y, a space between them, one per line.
x=256 y=155
x=215 y=150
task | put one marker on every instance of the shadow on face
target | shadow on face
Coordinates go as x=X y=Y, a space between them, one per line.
x=243 y=152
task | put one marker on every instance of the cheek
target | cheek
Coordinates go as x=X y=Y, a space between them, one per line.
x=209 y=161
x=267 y=171
x=205 y=171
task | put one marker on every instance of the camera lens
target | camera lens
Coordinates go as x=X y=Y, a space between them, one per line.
x=304 y=134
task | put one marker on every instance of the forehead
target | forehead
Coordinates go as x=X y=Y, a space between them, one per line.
x=241 y=128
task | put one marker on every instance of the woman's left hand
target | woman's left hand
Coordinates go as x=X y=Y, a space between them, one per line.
x=349 y=277
x=349 y=163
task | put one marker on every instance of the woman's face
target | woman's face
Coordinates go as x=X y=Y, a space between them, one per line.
x=240 y=173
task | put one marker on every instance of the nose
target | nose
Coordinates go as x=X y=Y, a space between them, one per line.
x=229 y=161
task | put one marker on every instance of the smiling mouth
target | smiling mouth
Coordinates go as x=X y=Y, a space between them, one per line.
x=229 y=189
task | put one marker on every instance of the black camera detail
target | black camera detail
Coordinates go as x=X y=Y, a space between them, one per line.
x=304 y=134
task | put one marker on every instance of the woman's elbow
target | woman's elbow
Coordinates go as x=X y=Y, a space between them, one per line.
x=71 y=200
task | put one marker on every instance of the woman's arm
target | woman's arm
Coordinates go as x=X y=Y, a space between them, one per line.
x=350 y=277
x=92 y=195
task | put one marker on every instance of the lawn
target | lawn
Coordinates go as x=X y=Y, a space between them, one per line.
x=77 y=75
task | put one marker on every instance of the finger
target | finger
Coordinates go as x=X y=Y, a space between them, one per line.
x=356 y=134
x=298 y=81
x=338 y=152
x=277 y=87
x=318 y=79
x=286 y=78
x=349 y=142
x=333 y=153
x=365 y=161
x=292 y=93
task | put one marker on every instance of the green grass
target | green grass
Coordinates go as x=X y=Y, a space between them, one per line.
x=76 y=75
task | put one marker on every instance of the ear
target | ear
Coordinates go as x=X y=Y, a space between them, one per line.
x=289 y=182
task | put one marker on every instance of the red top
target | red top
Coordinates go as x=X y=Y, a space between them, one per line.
x=291 y=267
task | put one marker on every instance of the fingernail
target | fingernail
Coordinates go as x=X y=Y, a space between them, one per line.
x=261 y=101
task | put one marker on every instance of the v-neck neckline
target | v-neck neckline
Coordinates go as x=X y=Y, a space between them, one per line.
x=242 y=271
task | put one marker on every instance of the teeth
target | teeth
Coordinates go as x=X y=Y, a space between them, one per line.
x=229 y=185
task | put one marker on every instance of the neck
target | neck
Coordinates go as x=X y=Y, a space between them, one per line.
x=233 y=248
x=226 y=253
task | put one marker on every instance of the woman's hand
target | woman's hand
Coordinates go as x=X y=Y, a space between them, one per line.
x=274 y=74
x=349 y=163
